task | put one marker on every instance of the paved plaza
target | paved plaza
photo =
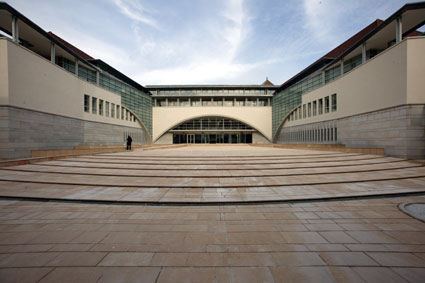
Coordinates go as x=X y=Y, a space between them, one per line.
x=212 y=214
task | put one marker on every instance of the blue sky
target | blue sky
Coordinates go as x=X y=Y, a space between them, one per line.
x=206 y=41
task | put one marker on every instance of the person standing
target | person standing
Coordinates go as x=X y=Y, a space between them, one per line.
x=129 y=140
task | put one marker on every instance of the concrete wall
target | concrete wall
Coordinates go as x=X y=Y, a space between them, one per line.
x=37 y=84
x=165 y=118
x=399 y=130
x=24 y=130
x=392 y=78
x=4 y=74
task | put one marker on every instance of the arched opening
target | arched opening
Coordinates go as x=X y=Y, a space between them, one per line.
x=212 y=130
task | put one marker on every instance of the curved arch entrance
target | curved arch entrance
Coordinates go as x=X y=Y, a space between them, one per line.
x=212 y=130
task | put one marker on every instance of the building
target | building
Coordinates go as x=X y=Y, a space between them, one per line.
x=367 y=92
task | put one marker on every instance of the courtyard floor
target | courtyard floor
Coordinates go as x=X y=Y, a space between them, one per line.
x=212 y=214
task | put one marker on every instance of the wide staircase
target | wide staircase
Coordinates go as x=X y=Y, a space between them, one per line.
x=214 y=174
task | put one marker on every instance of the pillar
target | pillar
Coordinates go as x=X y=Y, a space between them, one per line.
x=76 y=67
x=52 y=52
x=398 y=30
x=15 y=29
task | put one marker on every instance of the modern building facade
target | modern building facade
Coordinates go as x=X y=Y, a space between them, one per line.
x=367 y=92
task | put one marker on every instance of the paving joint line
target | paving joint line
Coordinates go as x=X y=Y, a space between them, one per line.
x=215 y=203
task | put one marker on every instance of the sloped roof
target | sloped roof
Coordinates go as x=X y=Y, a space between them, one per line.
x=80 y=52
x=267 y=82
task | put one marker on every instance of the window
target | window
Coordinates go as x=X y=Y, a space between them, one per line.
x=304 y=111
x=163 y=102
x=332 y=74
x=86 y=103
x=126 y=114
x=309 y=109
x=327 y=104
x=122 y=113
x=320 y=106
x=184 y=102
x=228 y=102
x=112 y=110
x=299 y=112
x=107 y=109
x=333 y=102
x=314 y=108
x=196 y=102
x=100 y=107
x=87 y=74
x=118 y=111
x=94 y=105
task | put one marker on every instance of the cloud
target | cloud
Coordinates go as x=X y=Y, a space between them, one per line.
x=210 y=71
x=135 y=11
x=211 y=60
x=325 y=18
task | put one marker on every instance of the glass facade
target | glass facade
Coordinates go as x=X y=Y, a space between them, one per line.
x=332 y=74
x=67 y=64
x=211 y=123
x=86 y=74
x=286 y=100
x=212 y=130
x=352 y=63
x=136 y=100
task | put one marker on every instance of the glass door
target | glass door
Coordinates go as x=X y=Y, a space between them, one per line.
x=190 y=138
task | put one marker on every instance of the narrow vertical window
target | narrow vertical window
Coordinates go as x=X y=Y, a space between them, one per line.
x=314 y=108
x=94 y=105
x=304 y=111
x=86 y=103
x=309 y=109
x=118 y=112
x=107 y=109
x=122 y=113
x=320 y=106
x=333 y=102
x=327 y=104
x=112 y=110
x=101 y=107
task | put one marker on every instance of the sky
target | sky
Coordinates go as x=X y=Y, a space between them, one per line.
x=206 y=41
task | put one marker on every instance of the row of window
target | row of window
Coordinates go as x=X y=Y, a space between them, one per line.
x=317 y=107
x=136 y=100
x=212 y=123
x=198 y=102
x=214 y=92
x=329 y=134
x=104 y=108
x=286 y=100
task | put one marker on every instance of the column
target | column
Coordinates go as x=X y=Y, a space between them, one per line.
x=364 y=52
x=76 y=67
x=398 y=30
x=52 y=52
x=15 y=29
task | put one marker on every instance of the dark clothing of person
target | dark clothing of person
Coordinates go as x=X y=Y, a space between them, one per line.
x=129 y=140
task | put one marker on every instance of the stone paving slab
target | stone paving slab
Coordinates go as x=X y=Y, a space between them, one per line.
x=363 y=240
x=213 y=175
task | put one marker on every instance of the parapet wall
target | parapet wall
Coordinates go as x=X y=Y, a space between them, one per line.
x=22 y=131
x=400 y=131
